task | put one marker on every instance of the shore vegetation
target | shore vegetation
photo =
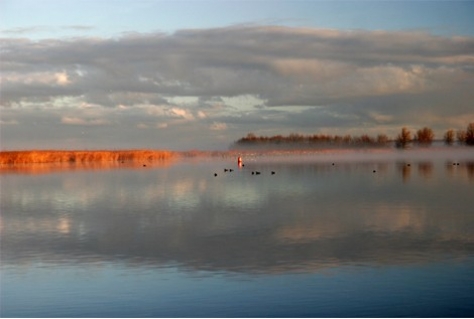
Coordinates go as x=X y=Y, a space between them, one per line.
x=292 y=142
x=316 y=139
x=82 y=156
x=423 y=137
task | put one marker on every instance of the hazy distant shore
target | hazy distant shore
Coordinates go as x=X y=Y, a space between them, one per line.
x=9 y=158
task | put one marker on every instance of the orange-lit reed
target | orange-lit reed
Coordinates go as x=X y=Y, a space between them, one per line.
x=74 y=156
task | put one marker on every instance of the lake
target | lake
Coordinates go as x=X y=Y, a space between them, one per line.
x=336 y=234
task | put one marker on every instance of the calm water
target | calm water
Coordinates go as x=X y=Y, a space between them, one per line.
x=314 y=239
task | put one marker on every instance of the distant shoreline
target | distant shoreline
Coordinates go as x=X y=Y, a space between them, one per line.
x=20 y=157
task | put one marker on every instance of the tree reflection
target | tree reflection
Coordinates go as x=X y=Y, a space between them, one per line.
x=425 y=169
x=454 y=169
x=470 y=170
x=405 y=169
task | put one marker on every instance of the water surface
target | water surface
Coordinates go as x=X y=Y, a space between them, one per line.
x=356 y=234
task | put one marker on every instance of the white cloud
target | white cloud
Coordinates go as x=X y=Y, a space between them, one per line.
x=62 y=78
x=9 y=122
x=380 y=118
x=218 y=126
x=162 y=125
x=82 y=121
x=201 y=115
x=180 y=113
x=46 y=77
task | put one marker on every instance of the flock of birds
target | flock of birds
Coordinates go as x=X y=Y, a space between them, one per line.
x=242 y=165
x=273 y=172
x=258 y=172
x=253 y=172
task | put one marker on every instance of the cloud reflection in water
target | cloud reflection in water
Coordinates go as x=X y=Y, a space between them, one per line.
x=309 y=216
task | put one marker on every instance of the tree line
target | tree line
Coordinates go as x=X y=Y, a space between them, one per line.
x=424 y=136
x=379 y=140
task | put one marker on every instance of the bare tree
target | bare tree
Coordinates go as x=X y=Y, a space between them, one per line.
x=461 y=136
x=449 y=137
x=382 y=139
x=424 y=136
x=469 y=140
x=403 y=138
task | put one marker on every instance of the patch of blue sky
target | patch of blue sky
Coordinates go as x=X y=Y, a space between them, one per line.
x=53 y=18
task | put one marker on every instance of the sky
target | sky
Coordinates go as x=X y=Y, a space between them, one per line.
x=181 y=75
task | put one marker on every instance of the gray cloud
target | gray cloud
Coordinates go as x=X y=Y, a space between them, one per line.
x=350 y=78
x=44 y=28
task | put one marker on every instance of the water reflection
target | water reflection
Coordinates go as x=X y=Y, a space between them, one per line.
x=308 y=216
x=460 y=169
x=46 y=168
x=405 y=169
x=425 y=169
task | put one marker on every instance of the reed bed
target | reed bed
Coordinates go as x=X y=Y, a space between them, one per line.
x=74 y=156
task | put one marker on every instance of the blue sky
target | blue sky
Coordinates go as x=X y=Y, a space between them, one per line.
x=111 y=18
x=201 y=74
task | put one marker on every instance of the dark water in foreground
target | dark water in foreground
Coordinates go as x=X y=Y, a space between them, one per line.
x=314 y=239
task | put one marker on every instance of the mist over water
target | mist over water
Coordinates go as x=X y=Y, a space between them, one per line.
x=338 y=233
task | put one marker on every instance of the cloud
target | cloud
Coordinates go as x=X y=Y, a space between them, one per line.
x=246 y=60
x=48 y=78
x=62 y=78
x=180 y=113
x=40 y=29
x=82 y=121
x=264 y=61
x=309 y=77
x=217 y=126
x=80 y=27
x=23 y=30
x=380 y=118
x=8 y=122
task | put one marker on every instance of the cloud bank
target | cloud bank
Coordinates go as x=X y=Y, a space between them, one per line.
x=266 y=79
